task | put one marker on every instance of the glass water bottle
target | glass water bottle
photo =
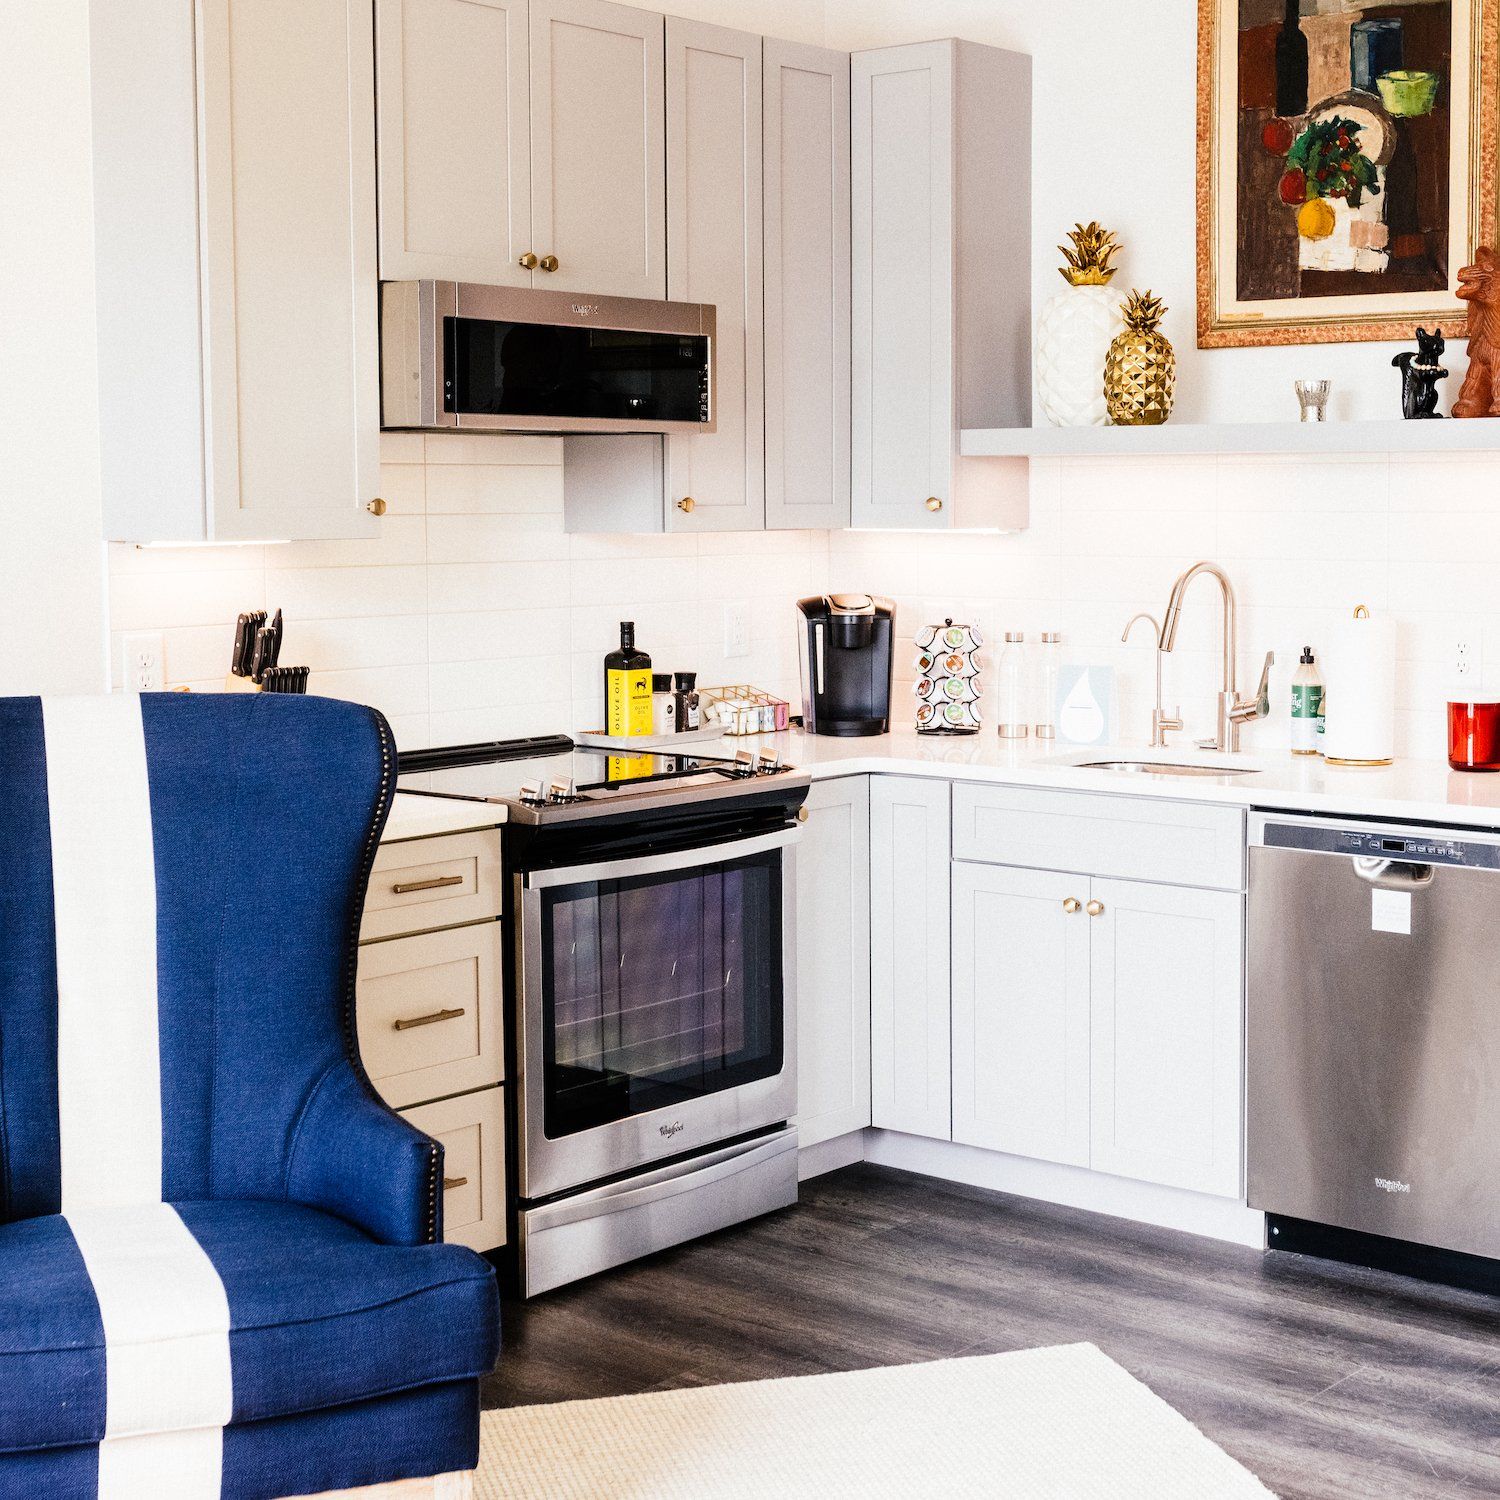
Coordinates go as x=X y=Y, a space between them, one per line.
x=1012 y=674
x=1048 y=658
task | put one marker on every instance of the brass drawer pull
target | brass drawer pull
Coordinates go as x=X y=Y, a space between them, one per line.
x=1096 y=908
x=435 y=884
x=449 y=1183
x=408 y=1023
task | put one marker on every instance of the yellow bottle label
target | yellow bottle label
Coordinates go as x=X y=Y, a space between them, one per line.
x=628 y=702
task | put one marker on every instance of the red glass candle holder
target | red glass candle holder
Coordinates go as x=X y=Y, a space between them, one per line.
x=1474 y=736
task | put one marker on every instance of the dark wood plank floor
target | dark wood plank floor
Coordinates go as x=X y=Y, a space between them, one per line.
x=1326 y=1381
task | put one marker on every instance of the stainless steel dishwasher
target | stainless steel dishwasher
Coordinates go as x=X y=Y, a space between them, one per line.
x=1373 y=1059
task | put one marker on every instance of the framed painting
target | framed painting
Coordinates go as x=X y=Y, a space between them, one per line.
x=1346 y=165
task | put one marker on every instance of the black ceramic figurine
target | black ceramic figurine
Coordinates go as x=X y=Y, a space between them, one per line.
x=1420 y=372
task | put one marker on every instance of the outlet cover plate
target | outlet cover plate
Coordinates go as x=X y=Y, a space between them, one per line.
x=736 y=629
x=143 y=666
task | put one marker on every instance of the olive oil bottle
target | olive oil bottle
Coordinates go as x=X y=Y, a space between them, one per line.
x=627 y=687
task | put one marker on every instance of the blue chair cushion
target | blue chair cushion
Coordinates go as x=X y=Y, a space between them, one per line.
x=321 y=1315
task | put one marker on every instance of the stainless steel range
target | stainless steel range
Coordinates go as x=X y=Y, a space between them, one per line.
x=650 y=987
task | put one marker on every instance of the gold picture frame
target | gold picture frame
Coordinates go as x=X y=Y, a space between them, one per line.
x=1225 y=321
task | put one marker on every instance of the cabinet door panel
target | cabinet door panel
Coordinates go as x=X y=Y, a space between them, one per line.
x=833 y=961
x=287 y=181
x=598 y=170
x=902 y=193
x=455 y=174
x=1021 y=1013
x=806 y=285
x=714 y=254
x=909 y=968
x=1167 y=1035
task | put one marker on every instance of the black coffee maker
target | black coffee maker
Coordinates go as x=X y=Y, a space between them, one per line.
x=845 y=644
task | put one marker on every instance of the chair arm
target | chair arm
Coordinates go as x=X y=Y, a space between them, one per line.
x=354 y=1157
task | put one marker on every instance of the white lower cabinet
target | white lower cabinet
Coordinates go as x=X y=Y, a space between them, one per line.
x=1098 y=1023
x=1167 y=1035
x=1021 y=1012
x=472 y=1131
x=833 y=962
x=910 y=850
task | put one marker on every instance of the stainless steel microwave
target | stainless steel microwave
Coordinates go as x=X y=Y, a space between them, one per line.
x=509 y=359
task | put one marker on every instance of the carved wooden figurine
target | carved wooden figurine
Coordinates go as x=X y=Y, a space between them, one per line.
x=1479 y=286
x=1421 y=369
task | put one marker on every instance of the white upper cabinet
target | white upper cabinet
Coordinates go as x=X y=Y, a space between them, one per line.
x=455 y=140
x=522 y=143
x=941 y=191
x=598 y=186
x=806 y=102
x=716 y=481
x=235 y=262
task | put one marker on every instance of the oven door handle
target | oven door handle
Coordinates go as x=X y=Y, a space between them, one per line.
x=656 y=864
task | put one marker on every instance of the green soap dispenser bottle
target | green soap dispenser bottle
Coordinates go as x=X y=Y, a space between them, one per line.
x=1307 y=707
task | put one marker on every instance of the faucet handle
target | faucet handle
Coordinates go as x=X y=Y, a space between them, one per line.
x=1263 y=692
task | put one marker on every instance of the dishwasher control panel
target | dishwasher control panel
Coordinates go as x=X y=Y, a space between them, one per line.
x=1407 y=846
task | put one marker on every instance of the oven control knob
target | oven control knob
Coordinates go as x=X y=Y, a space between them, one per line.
x=767 y=764
x=744 y=763
x=531 y=791
x=564 y=789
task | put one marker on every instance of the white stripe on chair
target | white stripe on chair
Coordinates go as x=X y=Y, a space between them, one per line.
x=169 y=1388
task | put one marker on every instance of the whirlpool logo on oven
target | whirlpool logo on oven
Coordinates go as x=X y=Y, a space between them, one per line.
x=1392 y=1185
x=668 y=1131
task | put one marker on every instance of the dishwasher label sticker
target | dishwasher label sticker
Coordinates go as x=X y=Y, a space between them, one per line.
x=1390 y=911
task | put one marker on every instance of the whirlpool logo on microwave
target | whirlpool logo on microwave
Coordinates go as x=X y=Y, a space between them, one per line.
x=1392 y=1185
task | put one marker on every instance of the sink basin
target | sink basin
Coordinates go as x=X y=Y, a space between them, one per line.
x=1165 y=768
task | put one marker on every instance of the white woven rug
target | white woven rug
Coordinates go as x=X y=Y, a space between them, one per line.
x=1040 y=1424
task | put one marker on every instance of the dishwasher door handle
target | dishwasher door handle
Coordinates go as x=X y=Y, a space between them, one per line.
x=1392 y=875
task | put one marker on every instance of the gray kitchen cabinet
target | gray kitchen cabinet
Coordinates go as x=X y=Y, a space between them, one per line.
x=716 y=480
x=941 y=275
x=522 y=144
x=806 y=193
x=910 y=1058
x=833 y=961
x=234 y=238
x=453 y=101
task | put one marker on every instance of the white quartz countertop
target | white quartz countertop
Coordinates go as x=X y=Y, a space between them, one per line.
x=1416 y=790
x=1422 y=791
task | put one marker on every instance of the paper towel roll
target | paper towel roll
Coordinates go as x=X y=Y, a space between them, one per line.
x=1360 y=691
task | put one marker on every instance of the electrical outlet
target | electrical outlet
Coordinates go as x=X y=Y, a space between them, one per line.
x=144 y=669
x=1466 y=660
x=736 y=630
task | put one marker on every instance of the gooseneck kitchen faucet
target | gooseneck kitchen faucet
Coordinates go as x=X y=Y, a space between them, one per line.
x=1233 y=710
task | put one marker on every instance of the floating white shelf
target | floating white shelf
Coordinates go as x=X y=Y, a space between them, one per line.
x=1447 y=436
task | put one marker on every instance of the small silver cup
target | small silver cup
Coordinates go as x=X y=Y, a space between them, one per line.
x=1313 y=396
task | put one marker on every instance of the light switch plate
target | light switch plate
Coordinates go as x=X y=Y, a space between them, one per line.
x=143 y=668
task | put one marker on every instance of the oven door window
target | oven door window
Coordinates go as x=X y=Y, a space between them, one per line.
x=549 y=370
x=658 y=989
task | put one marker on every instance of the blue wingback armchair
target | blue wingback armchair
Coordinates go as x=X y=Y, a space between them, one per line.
x=220 y=1262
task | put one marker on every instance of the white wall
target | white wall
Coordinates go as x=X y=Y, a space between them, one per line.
x=474 y=616
x=51 y=557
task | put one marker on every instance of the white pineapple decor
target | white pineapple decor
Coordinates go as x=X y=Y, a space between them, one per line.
x=1075 y=330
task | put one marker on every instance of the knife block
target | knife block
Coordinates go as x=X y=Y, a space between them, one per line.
x=233 y=684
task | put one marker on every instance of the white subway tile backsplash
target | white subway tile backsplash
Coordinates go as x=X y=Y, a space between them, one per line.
x=473 y=615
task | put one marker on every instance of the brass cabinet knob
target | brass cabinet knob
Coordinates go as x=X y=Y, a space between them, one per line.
x=1072 y=906
x=1096 y=908
x=802 y=815
x=548 y=263
x=934 y=504
x=528 y=262
x=376 y=507
x=686 y=505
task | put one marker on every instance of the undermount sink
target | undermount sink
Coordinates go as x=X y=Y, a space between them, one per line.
x=1166 y=768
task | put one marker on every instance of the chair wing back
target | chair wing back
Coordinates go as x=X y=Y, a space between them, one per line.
x=180 y=884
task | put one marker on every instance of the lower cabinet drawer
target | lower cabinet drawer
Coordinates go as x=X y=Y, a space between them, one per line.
x=472 y=1131
x=418 y=884
x=1124 y=838
x=428 y=1013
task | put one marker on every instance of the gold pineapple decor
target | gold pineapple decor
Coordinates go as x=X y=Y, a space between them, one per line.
x=1089 y=261
x=1140 y=370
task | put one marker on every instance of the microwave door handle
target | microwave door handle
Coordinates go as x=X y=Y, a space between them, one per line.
x=657 y=864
